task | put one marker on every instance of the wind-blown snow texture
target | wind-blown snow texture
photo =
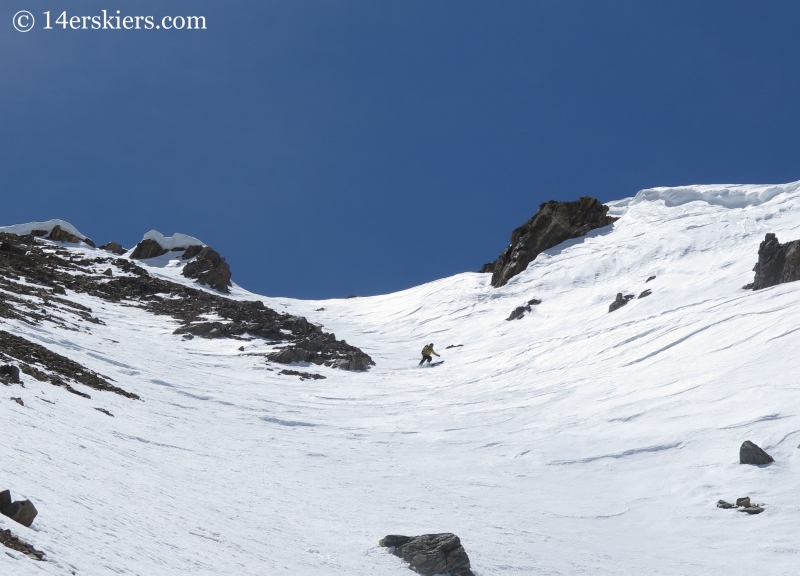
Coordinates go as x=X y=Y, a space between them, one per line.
x=572 y=441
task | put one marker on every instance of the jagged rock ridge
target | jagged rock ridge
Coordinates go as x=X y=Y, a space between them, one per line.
x=50 y=271
x=554 y=223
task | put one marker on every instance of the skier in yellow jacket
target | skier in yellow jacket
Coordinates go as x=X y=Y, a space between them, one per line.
x=426 y=354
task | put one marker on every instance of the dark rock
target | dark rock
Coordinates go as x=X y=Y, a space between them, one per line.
x=289 y=355
x=620 y=301
x=89 y=242
x=743 y=501
x=241 y=348
x=114 y=247
x=302 y=375
x=11 y=371
x=648 y=280
x=60 y=235
x=351 y=296
x=148 y=249
x=104 y=411
x=62 y=368
x=209 y=268
x=752 y=509
x=554 y=223
x=5 y=499
x=191 y=252
x=749 y=453
x=725 y=505
x=10 y=540
x=454 y=346
x=518 y=312
x=355 y=361
x=646 y=293
x=431 y=554
x=18 y=401
x=11 y=249
x=22 y=511
x=777 y=263
x=748 y=286
x=108 y=272
x=50 y=273
x=319 y=309
x=38 y=233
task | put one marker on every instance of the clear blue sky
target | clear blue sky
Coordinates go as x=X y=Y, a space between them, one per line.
x=330 y=147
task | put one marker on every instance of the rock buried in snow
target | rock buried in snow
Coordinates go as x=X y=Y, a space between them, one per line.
x=743 y=505
x=22 y=511
x=752 y=509
x=750 y=453
x=519 y=312
x=431 y=554
x=10 y=540
x=646 y=293
x=620 y=301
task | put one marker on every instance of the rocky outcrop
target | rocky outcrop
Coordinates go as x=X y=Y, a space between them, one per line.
x=148 y=249
x=209 y=268
x=61 y=368
x=60 y=235
x=50 y=274
x=431 y=554
x=554 y=223
x=22 y=511
x=743 y=505
x=646 y=293
x=777 y=263
x=114 y=248
x=620 y=301
x=750 y=453
x=324 y=350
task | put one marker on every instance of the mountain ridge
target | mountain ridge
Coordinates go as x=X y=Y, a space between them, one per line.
x=569 y=440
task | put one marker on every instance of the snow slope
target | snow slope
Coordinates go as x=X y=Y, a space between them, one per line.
x=572 y=441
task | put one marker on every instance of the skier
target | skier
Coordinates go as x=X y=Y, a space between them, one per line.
x=426 y=354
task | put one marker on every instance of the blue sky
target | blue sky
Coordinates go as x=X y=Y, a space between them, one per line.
x=329 y=148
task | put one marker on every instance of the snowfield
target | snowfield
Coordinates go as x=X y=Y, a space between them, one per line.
x=572 y=441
